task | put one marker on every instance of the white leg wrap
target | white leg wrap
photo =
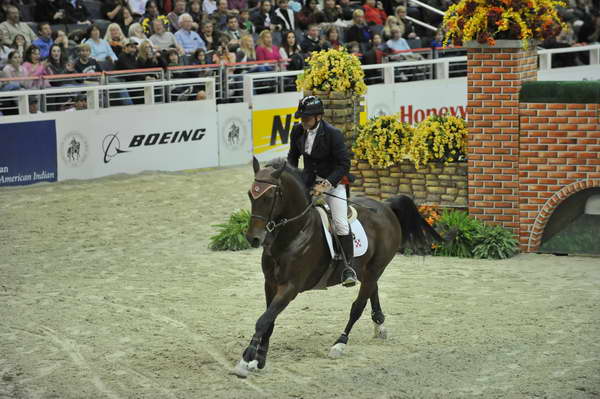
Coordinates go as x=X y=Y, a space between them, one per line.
x=243 y=368
x=380 y=331
x=337 y=350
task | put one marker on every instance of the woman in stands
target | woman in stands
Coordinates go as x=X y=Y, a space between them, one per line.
x=309 y=15
x=359 y=31
x=374 y=13
x=290 y=46
x=57 y=62
x=13 y=69
x=148 y=57
x=332 y=39
x=266 y=50
x=101 y=50
x=127 y=19
x=115 y=38
x=246 y=52
x=391 y=22
x=331 y=11
x=35 y=67
x=136 y=33
x=4 y=51
x=19 y=43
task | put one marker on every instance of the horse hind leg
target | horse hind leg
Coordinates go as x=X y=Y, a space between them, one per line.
x=377 y=316
x=358 y=306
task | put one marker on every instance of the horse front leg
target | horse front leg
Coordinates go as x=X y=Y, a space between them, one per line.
x=263 y=349
x=264 y=325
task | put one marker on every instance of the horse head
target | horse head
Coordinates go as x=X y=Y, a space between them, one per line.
x=266 y=198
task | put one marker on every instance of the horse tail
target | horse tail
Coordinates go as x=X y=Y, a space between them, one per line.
x=416 y=232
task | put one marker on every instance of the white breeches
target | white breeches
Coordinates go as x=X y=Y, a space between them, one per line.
x=339 y=209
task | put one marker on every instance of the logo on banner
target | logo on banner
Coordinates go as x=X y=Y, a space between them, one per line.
x=74 y=149
x=111 y=147
x=382 y=110
x=234 y=134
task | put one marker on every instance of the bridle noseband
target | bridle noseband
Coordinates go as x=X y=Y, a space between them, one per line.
x=259 y=187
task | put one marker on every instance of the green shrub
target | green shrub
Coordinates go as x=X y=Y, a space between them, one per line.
x=460 y=229
x=231 y=236
x=494 y=242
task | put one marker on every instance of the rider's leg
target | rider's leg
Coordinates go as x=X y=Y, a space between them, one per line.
x=339 y=213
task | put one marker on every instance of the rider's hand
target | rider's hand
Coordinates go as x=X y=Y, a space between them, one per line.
x=320 y=188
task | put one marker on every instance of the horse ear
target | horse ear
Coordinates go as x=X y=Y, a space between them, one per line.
x=278 y=172
x=255 y=165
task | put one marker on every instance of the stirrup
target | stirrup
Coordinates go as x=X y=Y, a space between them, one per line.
x=350 y=279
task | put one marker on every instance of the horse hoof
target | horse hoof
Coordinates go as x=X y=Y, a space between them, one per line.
x=241 y=369
x=253 y=366
x=380 y=332
x=337 y=350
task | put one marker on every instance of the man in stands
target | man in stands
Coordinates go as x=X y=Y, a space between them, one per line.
x=44 y=41
x=285 y=15
x=221 y=14
x=374 y=13
x=233 y=31
x=311 y=41
x=188 y=39
x=85 y=63
x=127 y=58
x=174 y=15
x=12 y=27
x=163 y=40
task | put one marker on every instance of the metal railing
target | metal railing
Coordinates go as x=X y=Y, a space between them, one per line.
x=180 y=92
x=124 y=96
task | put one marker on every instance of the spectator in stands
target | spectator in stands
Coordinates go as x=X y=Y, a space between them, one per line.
x=175 y=14
x=128 y=57
x=19 y=44
x=115 y=38
x=13 y=69
x=311 y=41
x=13 y=27
x=233 y=31
x=151 y=11
x=58 y=63
x=147 y=57
x=199 y=57
x=76 y=12
x=173 y=58
x=209 y=35
x=331 y=12
x=265 y=18
x=100 y=49
x=247 y=51
x=220 y=15
x=245 y=23
x=309 y=15
x=48 y=11
x=85 y=63
x=5 y=5
x=44 y=40
x=332 y=39
x=237 y=5
x=346 y=10
x=224 y=55
x=209 y=6
x=391 y=22
x=409 y=28
x=286 y=16
x=289 y=45
x=35 y=67
x=114 y=11
x=60 y=38
x=136 y=32
x=138 y=7
x=397 y=42
x=80 y=103
x=34 y=106
x=4 y=52
x=128 y=19
x=374 y=53
x=438 y=39
x=359 y=31
x=374 y=13
x=266 y=50
x=163 y=40
x=188 y=39
x=353 y=48
x=196 y=13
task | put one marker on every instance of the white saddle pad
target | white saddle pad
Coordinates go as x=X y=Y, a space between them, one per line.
x=361 y=243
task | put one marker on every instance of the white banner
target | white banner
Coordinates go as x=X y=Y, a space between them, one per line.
x=585 y=72
x=165 y=137
x=414 y=101
x=235 y=134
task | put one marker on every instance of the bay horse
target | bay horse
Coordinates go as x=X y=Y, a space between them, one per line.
x=296 y=257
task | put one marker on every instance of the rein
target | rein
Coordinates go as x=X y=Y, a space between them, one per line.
x=271 y=224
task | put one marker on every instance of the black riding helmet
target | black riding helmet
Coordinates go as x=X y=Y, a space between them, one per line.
x=308 y=106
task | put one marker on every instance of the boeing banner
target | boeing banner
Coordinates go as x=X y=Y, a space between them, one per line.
x=27 y=153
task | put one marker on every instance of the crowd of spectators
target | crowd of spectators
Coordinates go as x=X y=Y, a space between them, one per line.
x=53 y=37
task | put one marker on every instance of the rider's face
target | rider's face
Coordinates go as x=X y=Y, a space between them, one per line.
x=309 y=122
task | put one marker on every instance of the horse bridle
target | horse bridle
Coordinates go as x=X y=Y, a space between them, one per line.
x=271 y=224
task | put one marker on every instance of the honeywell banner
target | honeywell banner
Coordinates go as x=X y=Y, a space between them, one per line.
x=414 y=101
x=165 y=137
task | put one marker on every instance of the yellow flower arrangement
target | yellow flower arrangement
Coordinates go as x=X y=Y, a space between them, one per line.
x=333 y=70
x=385 y=141
x=489 y=20
x=147 y=23
x=381 y=141
x=439 y=139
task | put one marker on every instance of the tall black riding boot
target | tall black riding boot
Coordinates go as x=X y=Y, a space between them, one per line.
x=348 y=275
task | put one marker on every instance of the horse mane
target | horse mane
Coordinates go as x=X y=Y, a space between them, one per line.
x=295 y=173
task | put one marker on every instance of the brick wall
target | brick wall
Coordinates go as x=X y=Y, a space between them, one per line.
x=559 y=156
x=494 y=79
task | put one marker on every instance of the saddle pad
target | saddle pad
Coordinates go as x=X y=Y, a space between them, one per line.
x=361 y=244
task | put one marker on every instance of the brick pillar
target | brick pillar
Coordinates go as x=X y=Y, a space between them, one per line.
x=494 y=80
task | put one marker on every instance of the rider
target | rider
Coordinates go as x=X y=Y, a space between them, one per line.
x=326 y=169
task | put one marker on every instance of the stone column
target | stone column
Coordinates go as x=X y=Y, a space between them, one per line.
x=494 y=78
